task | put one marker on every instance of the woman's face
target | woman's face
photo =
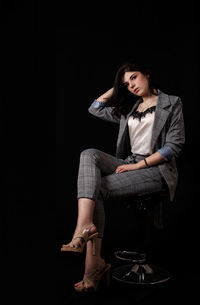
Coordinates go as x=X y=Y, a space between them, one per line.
x=136 y=82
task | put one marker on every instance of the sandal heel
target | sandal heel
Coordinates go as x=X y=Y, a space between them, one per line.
x=108 y=278
x=94 y=245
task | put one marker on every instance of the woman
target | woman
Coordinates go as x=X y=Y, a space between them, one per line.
x=151 y=135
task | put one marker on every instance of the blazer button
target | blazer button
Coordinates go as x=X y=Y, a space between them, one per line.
x=170 y=169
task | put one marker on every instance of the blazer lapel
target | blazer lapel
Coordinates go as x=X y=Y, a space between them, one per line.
x=161 y=116
x=124 y=121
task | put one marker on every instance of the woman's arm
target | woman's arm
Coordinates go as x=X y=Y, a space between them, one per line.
x=99 y=108
x=105 y=96
x=152 y=160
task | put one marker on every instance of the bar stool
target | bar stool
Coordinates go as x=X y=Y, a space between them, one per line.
x=137 y=270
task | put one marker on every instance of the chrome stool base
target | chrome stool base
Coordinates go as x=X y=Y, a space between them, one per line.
x=138 y=272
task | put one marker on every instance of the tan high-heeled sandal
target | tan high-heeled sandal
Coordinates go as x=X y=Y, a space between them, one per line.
x=95 y=277
x=84 y=235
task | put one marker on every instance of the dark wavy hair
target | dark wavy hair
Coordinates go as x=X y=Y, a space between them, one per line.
x=123 y=100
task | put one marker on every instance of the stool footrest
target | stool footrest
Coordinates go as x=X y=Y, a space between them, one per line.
x=130 y=256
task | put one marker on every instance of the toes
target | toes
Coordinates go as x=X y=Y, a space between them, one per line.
x=78 y=284
x=70 y=245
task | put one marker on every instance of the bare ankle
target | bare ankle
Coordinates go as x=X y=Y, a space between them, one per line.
x=94 y=264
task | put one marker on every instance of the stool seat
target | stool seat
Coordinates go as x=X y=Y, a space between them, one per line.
x=137 y=270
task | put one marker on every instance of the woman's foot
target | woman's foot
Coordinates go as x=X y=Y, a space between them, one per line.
x=100 y=263
x=93 y=276
x=80 y=238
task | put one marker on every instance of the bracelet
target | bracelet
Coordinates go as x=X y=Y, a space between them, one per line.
x=145 y=161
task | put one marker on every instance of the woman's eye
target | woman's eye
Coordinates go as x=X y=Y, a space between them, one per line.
x=133 y=76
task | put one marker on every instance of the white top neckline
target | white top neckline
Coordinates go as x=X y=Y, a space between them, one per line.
x=140 y=131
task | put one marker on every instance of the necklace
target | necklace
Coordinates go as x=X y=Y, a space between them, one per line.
x=146 y=106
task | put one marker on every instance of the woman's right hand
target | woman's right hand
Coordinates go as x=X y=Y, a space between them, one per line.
x=105 y=96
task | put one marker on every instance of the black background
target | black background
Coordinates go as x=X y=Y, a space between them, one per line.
x=55 y=61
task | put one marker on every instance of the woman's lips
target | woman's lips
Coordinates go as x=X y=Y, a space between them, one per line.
x=136 y=90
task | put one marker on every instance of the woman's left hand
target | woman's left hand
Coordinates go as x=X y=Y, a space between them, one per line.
x=152 y=160
x=126 y=167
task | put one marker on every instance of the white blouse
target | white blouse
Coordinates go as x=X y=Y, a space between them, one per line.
x=140 y=131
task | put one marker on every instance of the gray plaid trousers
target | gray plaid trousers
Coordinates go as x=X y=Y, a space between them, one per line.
x=97 y=180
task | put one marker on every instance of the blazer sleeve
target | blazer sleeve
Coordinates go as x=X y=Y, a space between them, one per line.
x=100 y=110
x=175 y=136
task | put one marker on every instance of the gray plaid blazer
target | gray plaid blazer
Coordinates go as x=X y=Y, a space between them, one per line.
x=168 y=130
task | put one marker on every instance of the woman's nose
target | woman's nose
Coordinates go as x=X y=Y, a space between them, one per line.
x=131 y=85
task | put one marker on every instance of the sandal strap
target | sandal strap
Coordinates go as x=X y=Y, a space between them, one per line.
x=84 y=233
x=79 y=235
x=95 y=275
